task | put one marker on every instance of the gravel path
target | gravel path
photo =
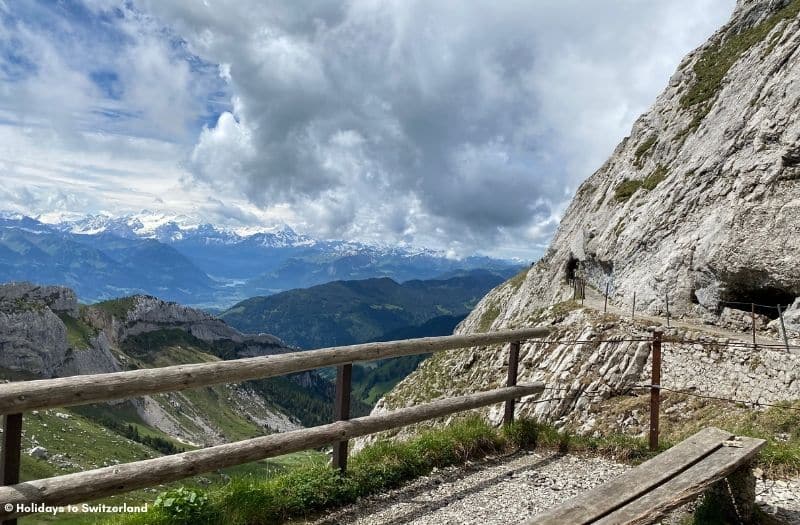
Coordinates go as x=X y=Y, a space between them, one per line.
x=494 y=491
x=508 y=489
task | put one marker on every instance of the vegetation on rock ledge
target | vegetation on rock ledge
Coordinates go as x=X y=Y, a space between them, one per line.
x=627 y=187
x=712 y=66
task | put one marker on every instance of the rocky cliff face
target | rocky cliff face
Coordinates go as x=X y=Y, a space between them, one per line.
x=44 y=333
x=702 y=200
x=33 y=340
x=142 y=314
x=701 y=203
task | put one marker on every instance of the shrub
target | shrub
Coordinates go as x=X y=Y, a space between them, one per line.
x=626 y=189
x=651 y=181
x=183 y=505
x=522 y=433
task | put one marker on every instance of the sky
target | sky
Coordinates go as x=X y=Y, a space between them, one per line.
x=460 y=126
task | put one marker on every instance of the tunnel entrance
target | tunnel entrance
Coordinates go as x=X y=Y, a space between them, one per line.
x=572 y=268
x=766 y=299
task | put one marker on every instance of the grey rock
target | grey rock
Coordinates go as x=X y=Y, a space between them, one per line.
x=32 y=342
x=27 y=296
x=38 y=453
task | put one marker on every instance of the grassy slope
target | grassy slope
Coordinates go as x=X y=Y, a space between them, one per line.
x=684 y=415
x=372 y=380
x=79 y=334
x=174 y=346
x=92 y=445
x=309 y=490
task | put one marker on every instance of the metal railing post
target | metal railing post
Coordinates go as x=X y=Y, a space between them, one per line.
x=344 y=375
x=11 y=453
x=783 y=329
x=655 y=390
x=513 y=368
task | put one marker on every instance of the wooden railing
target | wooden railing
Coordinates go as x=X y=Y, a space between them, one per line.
x=19 y=397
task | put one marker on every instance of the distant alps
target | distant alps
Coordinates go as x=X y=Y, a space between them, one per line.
x=181 y=258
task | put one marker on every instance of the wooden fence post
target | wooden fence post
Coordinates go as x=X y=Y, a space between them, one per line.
x=655 y=390
x=753 y=319
x=344 y=375
x=513 y=367
x=11 y=454
x=783 y=329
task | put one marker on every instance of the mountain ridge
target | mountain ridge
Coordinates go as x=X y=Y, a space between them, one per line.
x=202 y=265
x=356 y=311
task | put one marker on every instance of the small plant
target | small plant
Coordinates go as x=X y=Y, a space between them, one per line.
x=522 y=433
x=651 y=181
x=182 y=505
x=626 y=189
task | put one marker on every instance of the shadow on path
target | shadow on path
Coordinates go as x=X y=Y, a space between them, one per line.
x=411 y=492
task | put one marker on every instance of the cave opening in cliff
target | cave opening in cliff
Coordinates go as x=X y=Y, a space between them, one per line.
x=766 y=299
x=572 y=268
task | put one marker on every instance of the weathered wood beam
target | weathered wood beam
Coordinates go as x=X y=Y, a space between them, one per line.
x=687 y=485
x=23 y=396
x=118 y=479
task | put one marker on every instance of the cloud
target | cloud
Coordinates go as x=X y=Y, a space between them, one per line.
x=465 y=126
x=76 y=68
x=458 y=123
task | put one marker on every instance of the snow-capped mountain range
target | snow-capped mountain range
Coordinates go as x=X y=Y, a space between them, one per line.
x=174 y=228
x=181 y=258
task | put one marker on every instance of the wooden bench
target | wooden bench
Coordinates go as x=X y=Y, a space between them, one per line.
x=672 y=478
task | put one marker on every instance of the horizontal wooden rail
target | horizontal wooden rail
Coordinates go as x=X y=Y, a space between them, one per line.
x=118 y=479
x=23 y=396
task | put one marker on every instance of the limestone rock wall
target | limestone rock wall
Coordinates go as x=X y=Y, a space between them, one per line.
x=614 y=360
x=701 y=201
x=32 y=342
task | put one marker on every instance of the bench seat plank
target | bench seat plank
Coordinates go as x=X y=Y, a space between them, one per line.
x=685 y=486
x=602 y=500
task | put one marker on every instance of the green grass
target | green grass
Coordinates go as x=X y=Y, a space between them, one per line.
x=717 y=59
x=118 y=308
x=516 y=281
x=309 y=489
x=779 y=426
x=488 y=317
x=309 y=486
x=314 y=487
x=79 y=334
x=627 y=187
x=651 y=181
